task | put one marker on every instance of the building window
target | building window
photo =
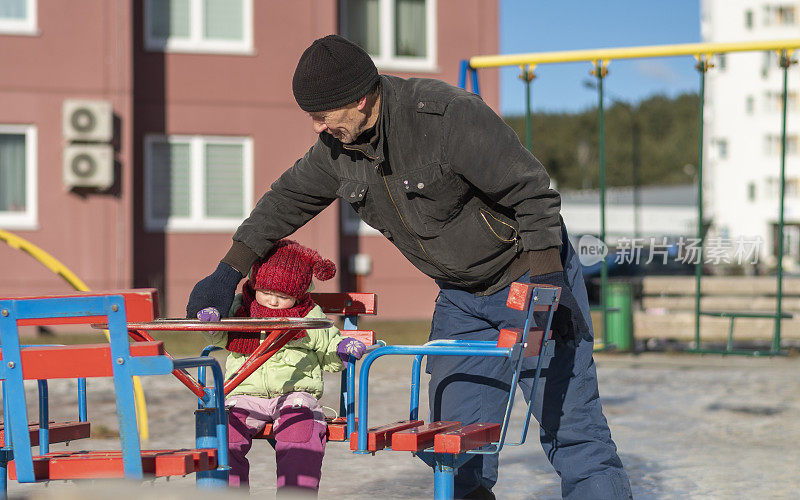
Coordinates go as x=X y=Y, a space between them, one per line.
x=773 y=101
x=207 y=26
x=751 y=191
x=18 y=173
x=197 y=183
x=779 y=15
x=749 y=105
x=772 y=144
x=722 y=148
x=748 y=19
x=18 y=17
x=769 y=60
x=398 y=34
x=721 y=62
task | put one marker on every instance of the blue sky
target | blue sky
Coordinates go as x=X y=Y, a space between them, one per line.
x=554 y=25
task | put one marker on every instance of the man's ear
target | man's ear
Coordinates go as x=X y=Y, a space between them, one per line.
x=362 y=103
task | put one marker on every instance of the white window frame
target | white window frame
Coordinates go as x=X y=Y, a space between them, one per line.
x=387 y=60
x=196 y=43
x=196 y=221
x=27 y=26
x=29 y=218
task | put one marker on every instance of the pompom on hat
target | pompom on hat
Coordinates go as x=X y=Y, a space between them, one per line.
x=289 y=267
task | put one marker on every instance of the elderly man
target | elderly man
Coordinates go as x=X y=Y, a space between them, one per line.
x=442 y=176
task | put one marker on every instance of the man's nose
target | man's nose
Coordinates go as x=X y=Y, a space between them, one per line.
x=319 y=127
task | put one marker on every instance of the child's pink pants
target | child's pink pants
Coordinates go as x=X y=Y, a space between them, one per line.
x=299 y=428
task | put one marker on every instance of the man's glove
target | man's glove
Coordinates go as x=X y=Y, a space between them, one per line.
x=350 y=347
x=215 y=290
x=568 y=323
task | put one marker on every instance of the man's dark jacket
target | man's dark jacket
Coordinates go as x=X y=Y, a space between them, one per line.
x=448 y=183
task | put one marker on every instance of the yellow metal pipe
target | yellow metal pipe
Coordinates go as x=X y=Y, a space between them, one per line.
x=60 y=269
x=591 y=55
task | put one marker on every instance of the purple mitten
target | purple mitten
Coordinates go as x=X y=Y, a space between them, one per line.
x=350 y=347
x=208 y=314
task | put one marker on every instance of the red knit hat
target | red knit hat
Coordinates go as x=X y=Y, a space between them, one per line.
x=288 y=269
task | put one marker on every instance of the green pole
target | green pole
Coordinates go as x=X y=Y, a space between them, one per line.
x=527 y=75
x=776 y=338
x=702 y=66
x=600 y=72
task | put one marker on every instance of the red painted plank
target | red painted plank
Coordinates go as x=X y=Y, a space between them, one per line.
x=510 y=336
x=60 y=432
x=204 y=458
x=469 y=437
x=419 y=438
x=379 y=437
x=71 y=361
x=365 y=336
x=141 y=305
x=519 y=296
x=108 y=464
x=337 y=430
x=347 y=303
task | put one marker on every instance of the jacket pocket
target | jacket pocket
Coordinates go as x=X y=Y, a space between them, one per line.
x=501 y=230
x=356 y=194
x=435 y=195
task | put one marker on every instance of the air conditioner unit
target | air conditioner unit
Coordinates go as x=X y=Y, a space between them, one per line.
x=84 y=120
x=89 y=165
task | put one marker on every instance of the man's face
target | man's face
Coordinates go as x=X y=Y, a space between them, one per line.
x=344 y=124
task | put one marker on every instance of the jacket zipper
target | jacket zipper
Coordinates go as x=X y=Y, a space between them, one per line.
x=484 y=213
x=379 y=169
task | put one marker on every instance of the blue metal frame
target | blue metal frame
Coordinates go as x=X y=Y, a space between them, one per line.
x=466 y=70
x=124 y=368
x=444 y=465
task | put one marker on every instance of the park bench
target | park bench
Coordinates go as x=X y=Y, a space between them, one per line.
x=733 y=309
x=117 y=359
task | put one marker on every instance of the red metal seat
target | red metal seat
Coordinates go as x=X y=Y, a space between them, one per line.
x=77 y=361
x=60 y=432
x=119 y=359
x=455 y=438
x=108 y=464
x=381 y=436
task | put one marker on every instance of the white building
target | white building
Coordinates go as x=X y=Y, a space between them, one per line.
x=743 y=125
x=657 y=211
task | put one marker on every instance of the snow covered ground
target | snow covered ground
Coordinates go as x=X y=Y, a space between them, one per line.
x=686 y=426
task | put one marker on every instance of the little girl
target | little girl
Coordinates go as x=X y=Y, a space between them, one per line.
x=285 y=389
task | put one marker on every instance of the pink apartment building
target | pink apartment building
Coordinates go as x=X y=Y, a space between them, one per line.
x=135 y=135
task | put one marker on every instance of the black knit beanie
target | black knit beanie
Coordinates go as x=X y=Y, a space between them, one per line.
x=332 y=73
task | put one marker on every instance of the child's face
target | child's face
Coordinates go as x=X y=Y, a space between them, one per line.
x=274 y=300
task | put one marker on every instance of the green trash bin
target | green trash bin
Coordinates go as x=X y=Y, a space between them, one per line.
x=620 y=315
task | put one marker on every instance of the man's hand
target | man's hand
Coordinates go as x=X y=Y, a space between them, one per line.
x=350 y=347
x=568 y=323
x=215 y=290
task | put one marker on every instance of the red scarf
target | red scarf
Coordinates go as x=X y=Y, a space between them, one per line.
x=247 y=342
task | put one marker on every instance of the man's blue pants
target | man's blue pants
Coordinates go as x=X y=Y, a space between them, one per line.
x=574 y=433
